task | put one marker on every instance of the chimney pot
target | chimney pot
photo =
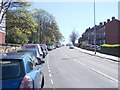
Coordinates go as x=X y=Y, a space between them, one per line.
x=113 y=18
x=104 y=23
x=100 y=23
x=108 y=20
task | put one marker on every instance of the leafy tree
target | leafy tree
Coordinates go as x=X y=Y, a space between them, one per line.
x=24 y=22
x=73 y=36
x=25 y=26
x=48 y=28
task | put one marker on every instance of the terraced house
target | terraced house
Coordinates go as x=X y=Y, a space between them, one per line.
x=106 y=33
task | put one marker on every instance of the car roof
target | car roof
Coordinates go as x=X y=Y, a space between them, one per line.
x=18 y=56
x=26 y=50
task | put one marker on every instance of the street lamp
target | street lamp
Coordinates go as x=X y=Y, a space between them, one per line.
x=94 y=30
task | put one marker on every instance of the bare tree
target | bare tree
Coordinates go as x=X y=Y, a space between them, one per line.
x=4 y=5
x=73 y=36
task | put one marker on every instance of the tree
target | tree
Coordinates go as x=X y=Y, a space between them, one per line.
x=4 y=5
x=20 y=25
x=48 y=29
x=73 y=36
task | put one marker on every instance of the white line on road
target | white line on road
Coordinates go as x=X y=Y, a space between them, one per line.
x=79 y=62
x=104 y=75
x=48 y=67
x=50 y=75
x=67 y=56
x=51 y=81
x=49 y=70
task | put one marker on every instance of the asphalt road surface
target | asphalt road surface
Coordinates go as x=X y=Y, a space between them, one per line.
x=70 y=68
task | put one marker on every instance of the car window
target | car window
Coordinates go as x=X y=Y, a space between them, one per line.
x=31 y=65
x=12 y=69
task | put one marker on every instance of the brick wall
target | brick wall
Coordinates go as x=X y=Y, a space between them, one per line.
x=112 y=32
x=2 y=38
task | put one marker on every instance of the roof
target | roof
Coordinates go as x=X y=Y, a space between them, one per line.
x=15 y=55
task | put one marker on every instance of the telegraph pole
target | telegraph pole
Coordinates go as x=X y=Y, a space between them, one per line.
x=94 y=29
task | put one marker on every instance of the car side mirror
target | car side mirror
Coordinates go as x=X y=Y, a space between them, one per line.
x=40 y=63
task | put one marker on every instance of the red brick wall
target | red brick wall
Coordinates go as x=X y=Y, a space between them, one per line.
x=112 y=32
x=2 y=38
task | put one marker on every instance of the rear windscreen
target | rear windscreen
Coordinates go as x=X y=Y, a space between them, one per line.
x=12 y=69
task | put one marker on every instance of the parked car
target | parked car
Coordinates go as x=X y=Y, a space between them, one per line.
x=71 y=46
x=36 y=54
x=44 y=50
x=19 y=71
x=33 y=47
x=49 y=47
x=92 y=47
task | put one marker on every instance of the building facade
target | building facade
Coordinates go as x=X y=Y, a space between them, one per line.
x=106 y=33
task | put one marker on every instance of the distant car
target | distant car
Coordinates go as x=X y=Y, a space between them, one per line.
x=36 y=54
x=20 y=72
x=49 y=47
x=71 y=46
x=54 y=46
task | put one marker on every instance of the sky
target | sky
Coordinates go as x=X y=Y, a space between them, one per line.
x=78 y=15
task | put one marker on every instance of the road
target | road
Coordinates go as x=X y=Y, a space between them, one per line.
x=71 y=68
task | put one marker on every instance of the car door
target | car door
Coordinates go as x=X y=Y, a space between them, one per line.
x=35 y=73
x=39 y=77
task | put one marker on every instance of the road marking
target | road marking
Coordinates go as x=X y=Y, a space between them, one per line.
x=48 y=67
x=49 y=70
x=51 y=81
x=104 y=75
x=50 y=75
x=79 y=62
x=67 y=56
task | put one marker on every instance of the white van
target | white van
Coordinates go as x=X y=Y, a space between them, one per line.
x=33 y=47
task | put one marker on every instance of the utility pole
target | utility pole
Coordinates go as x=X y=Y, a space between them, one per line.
x=94 y=29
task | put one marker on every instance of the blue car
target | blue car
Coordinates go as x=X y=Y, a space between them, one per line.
x=19 y=71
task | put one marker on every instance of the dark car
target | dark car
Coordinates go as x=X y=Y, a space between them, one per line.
x=44 y=49
x=19 y=71
x=71 y=46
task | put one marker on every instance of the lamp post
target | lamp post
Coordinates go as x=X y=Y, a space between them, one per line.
x=94 y=30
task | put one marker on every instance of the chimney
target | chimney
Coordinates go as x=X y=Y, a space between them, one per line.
x=113 y=18
x=100 y=23
x=108 y=20
x=89 y=28
x=104 y=23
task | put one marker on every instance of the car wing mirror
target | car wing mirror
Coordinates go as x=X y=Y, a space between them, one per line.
x=40 y=63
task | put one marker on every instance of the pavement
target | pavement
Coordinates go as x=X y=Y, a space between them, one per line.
x=110 y=57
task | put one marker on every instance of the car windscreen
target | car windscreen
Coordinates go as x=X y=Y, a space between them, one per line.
x=31 y=51
x=12 y=69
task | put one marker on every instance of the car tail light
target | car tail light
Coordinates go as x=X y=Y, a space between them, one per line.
x=27 y=83
x=39 y=59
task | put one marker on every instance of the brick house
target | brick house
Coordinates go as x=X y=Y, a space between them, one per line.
x=106 y=33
